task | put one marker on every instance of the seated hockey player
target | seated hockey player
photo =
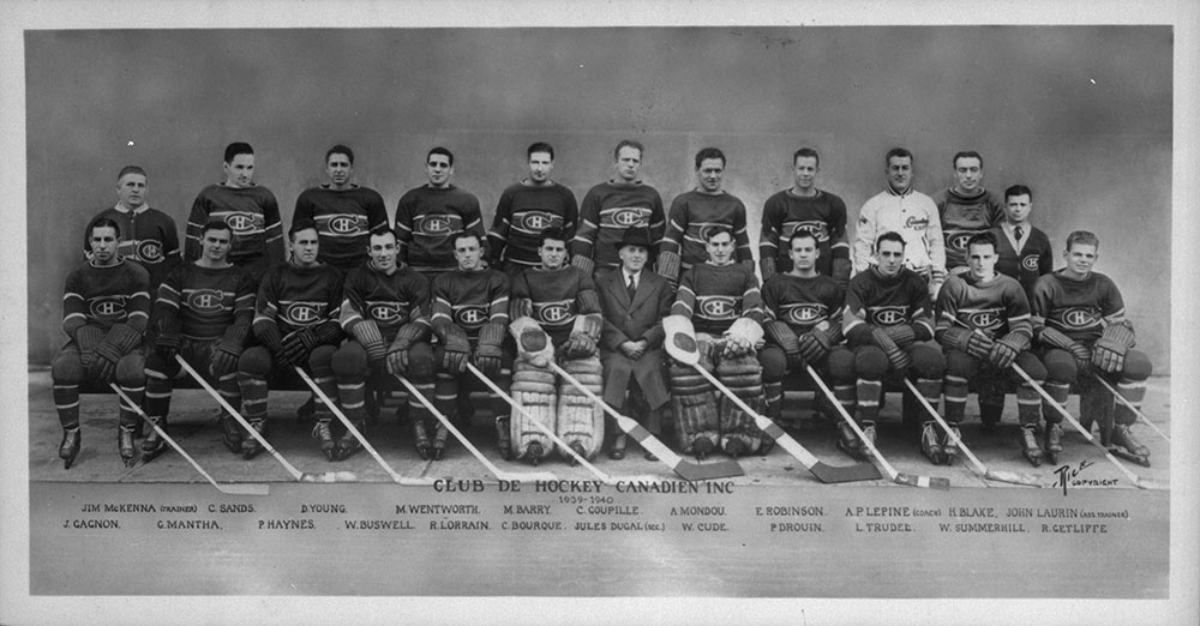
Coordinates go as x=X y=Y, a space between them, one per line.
x=559 y=300
x=105 y=310
x=804 y=327
x=723 y=300
x=203 y=312
x=634 y=301
x=470 y=318
x=983 y=324
x=1081 y=330
x=385 y=313
x=887 y=322
x=295 y=324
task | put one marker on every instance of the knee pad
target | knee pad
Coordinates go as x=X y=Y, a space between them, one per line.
x=131 y=370
x=1137 y=366
x=773 y=362
x=1032 y=365
x=66 y=368
x=927 y=361
x=961 y=365
x=350 y=362
x=320 y=360
x=870 y=363
x=256 y=362
x=422 y=362
x=841 y=366
x=1060 y=366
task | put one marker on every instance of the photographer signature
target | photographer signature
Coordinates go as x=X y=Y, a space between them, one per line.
x=1066 y=474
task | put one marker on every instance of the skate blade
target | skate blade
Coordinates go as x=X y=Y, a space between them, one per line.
x=845 y=474
x=1144 y=461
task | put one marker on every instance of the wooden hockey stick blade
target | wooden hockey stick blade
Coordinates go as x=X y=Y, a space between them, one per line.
x=395 y=476
x=540 y=426
x=329 y=477
x=496 y=471
x=684 y=468
x=236 y=489
x=1136 y=411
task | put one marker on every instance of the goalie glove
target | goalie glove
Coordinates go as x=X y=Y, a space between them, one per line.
x=743 y=336
x=973 y=343
x=120 y=340
x=297 y=345
x=366 y=332
x=456 y=348
x=783 y=336
x=87 y=337
x=1056 y=339
x=533 y=344
x=895 y=354
x=1006 y=349
x=1108 y=353
x=489 y=351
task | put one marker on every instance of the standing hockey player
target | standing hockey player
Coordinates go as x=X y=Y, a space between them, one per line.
x=804 y=208
x=385 y=312
x=428 y=217
x=613 y=207
x=344 y=212
x=983 y=324
x=694 y=212
x=249 y=209
x=1023 y=249
x=966 y=209
x=557 y=302
x=1079 y=321
x=912 y=214
x=525 y=210
x=634 y=301
x=804 y=327
x=105 y=311
x=470 y=319
x=887 y=322
x=203 y=312
x=148 y=235
x=296 y=324
x=723 y=300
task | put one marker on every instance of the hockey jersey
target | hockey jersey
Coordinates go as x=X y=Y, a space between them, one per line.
x=693 y=213
x=470 y=299
x=344 y=219
x=201 y=303
x=785 y=214
x=963 y=217
x=148 y=236
x=714 y=296
x=802 y=303
x=554 y=298
x=391 y=301
x=1080 y=309
x=427 y=218
x=608 y=210
x=251 y=213
x=104 y=295
x=879 y=300
x=524 y=211
x=997 y=306
x=299 y=297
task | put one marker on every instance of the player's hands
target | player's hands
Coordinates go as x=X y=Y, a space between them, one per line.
x=579 y=346
x=1002 y=355
x=223 y=361
x=167 y=346
x=1106 y=359
x=297 y=345
x=397 y=362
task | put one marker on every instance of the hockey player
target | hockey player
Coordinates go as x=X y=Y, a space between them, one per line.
x=912 y=214
x=105 y=311
x=344 y=212
x=249 y=209
x=203 y=312
x=805 y=208
x=148 y=235
x=1023 y=250
x=385 y=312
x=295 y=324
x=804 y=327
x=525 y=210
x=428 y=217
x=983 y=324
x=965 y=209
x=694 y=212
x=887 y=322
x=470 y=317
x=560 y=301
x=613 y=207
x=1079 y=321
x=723 y=300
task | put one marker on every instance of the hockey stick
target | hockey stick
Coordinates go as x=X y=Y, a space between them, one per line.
x=233 y=489
x=396 y=478
x=998 y=475
x=499 y=473
x=1139 y=482
x=327 y=477
x=1129 y=405
x=540 y=426
x=685 y=469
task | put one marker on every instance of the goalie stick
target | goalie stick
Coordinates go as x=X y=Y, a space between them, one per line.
x=327 y=477
x=233 y=489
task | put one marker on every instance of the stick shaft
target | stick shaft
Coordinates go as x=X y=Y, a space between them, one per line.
x=446 y=422
x=162 y=433
x=945 y=426
x=1136 y=411
x=291 y=469
x=347 y=423
x=887 y=467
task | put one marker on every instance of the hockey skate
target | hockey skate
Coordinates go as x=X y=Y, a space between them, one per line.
x=848 y=442
x=1029 y=445
x=321 y=433
x=154 y=445
x=125 y=444
x=701 y=448
x=348 y=444
x=439 y=442
x=232 y=434
x=930 y=446
x=69 y=448
x=950 y=449
x=534 y=453
x=1123 y=444
x=1052 y=439
x=250 y=445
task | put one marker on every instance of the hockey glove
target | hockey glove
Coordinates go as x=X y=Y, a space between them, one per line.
x=456 y=348
x=1006 y=349
x=268 y=335
x=366 y=332
x=297 y=345
x=167 y=346
x=87 y=337
x=1056 y=339
x=973 y=343
x=817 y=343
x=224 y=359
x=1108 y=353
x=488 y=351
x=783 y=336
x=903 y=334
x=895 y=354
x=767 y=264
x=584 y=263
x=397 y=355
x=120 y=340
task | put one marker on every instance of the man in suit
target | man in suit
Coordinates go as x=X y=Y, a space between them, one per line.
x=633 y=302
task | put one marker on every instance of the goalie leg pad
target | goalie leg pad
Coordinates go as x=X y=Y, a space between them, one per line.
x=533 y=389
x=694 y=407
x=743 y=376
x=579 y=420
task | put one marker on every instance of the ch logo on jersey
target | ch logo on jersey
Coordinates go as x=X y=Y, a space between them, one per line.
x=985 y=320
x=386 y=312
x=957 y=241
x=804 y=314
x=916 y=223
x=536 y=221
x=302 y=313
x=108 y=307
x=630 y=217
x=888 y=315
x=718 y=307
x=343 y=225
x=242 y=223
x=150 y=251
x=435 y=225
x=206 y=300
x=817 y=229
x=470 y=316
x=1030 y=262
x=554 y=313
x=1077 y=317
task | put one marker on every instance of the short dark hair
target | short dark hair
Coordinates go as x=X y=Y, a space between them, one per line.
x=215 y=225
x=442 y=151
x=965 y=154
x=897 y=152
x=713 y=231
x=982 y=239
x=299 y=225
x=709 y=153
x=105 y=222
x=1018 y=190
x=539 y=146
x=553 y=233
x=628 y=143
x=806 y=152
x=340 y=149
x=131 y=169
x=890 y=235
x=463 y=234
x=1085 y=237
x=380 y=231
x=236 y=148
x=803 y=234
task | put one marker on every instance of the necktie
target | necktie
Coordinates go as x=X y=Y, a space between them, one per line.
x=631 y=287
x=1019 y=232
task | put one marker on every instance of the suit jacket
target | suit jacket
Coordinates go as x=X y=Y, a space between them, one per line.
x=626 y=320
